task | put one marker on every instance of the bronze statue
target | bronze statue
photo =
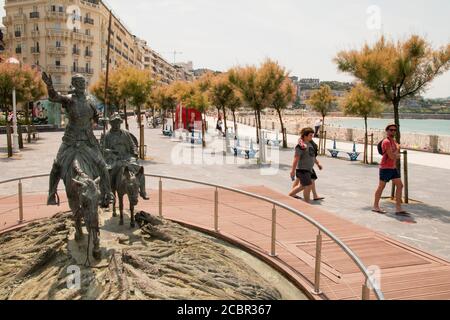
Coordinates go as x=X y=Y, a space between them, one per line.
x=79 y=161
x=78 y=137
x=127 y=176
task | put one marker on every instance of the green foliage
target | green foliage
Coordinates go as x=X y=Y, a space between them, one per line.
x=396 y=70
x=322 y=100
x=27 y=82
x=361 y=101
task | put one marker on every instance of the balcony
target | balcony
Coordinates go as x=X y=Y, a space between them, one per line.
x=56 y=69
x=78 y=70
x=34 y=15
x=88 y=20
x=76 y=51
x=35 y=50
x=18 y=34
x=56 y=15
x=57 y=50
x=19 y=17
x=82 y=37
x=82 y=70
x=88 y=54
x=6 y=21
x=58 y=33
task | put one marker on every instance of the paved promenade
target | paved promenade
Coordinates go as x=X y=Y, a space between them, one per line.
x=348 y=187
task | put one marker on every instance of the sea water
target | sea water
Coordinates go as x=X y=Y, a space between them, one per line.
x=429 y=127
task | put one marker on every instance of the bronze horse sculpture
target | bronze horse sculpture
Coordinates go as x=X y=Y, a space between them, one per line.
x=125 y=182
x=83 y=193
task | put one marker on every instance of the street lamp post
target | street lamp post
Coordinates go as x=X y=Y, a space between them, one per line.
x=15 y=131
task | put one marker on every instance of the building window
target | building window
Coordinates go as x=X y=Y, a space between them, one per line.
x=58 y=44
x=58 y=63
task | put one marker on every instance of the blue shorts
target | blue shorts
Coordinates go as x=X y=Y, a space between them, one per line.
x=387 y=175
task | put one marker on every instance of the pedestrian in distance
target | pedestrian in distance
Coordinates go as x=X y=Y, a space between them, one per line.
x=318 y=124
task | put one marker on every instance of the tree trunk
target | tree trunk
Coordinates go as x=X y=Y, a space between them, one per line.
x=398 y=136
x=27 y=120
x=203 y=129
x=9 y=139
x=259 y=123
x=366 y=143
x=322 y=137
x=141 y=135
x=285 y=144
x=173 y=119
x=126 y=116
x=235 y=125
x=257 y=127
x=225 y=120
x=19 y=132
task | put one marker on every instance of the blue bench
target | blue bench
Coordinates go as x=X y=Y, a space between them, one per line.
x=194 y=137
x=247 y=152
x=353 y=155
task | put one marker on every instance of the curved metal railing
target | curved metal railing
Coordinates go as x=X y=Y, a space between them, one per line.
x=368 y=283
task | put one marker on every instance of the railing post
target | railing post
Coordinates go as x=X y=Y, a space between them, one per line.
x=318 y=264
x=160 y=198
x=216 y=210
x=406 y=178
x=273 y=252
x=365 y=291
x=324 y=150
x=20 y=202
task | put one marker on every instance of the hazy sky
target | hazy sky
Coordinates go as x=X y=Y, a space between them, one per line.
x=302 y=35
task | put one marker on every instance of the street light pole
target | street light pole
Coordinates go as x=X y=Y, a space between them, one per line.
x=15 y=131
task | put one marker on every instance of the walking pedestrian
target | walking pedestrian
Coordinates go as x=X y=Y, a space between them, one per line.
x=303 y=165
x=297 y=187
x=318 y=124
x=389 y=171
x=219 y=125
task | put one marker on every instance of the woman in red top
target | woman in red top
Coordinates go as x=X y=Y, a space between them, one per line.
x=389 y=171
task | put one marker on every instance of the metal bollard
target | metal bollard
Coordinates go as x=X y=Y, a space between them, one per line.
x=160 y=198
x=406 y=178
x=274 y=232
x=20 y=202
x=318 y=264
x=216 y=210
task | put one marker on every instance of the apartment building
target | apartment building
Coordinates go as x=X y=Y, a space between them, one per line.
x=67 y=37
